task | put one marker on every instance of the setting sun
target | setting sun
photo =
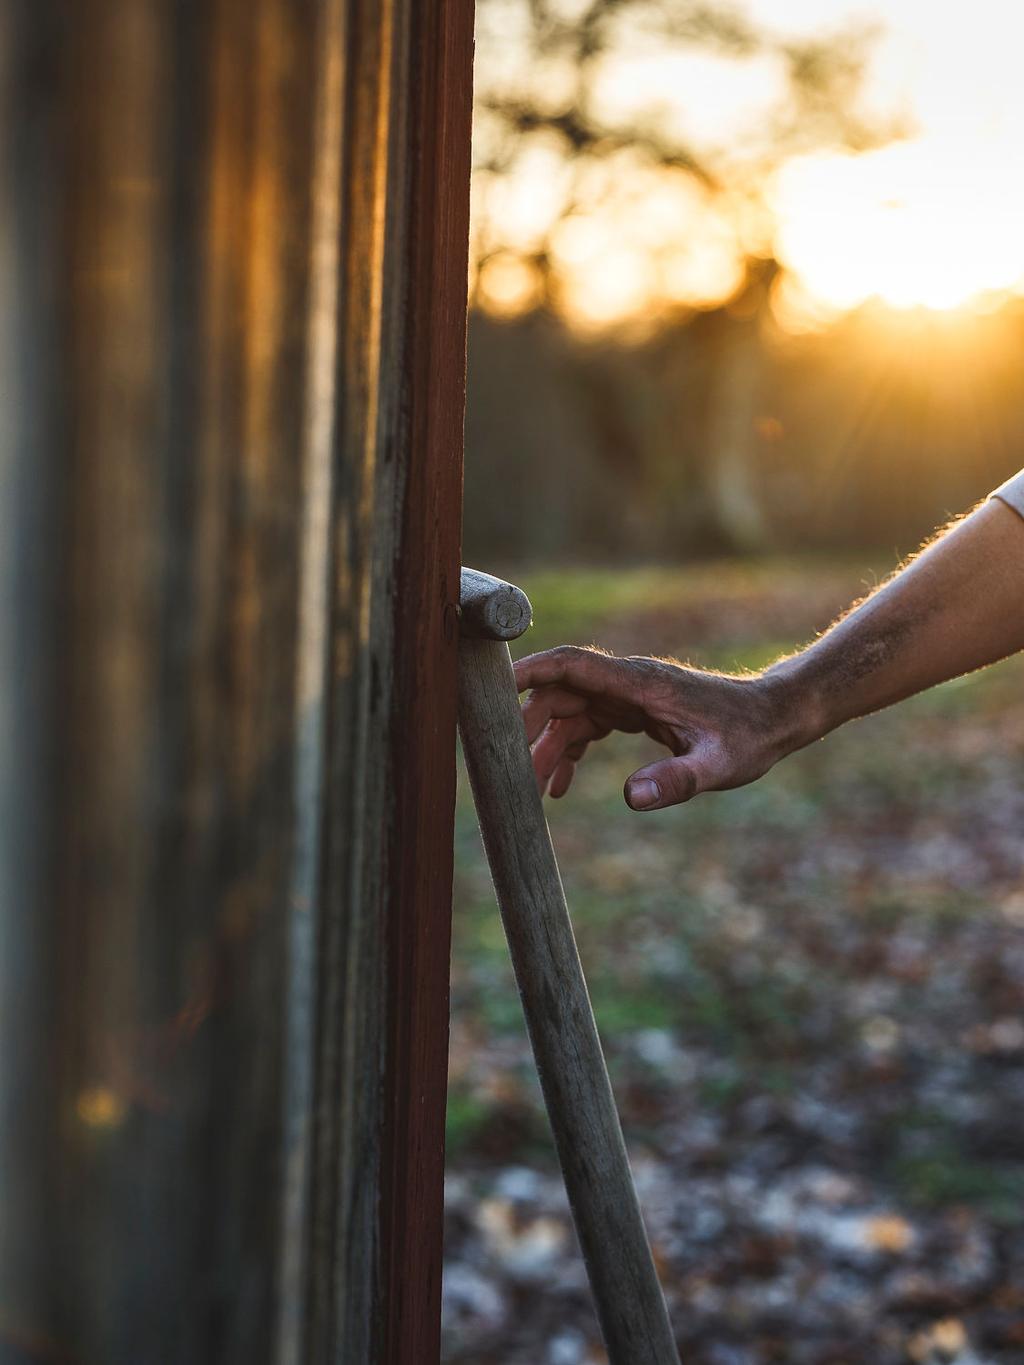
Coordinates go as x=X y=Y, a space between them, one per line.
x=922 y=210
x=897 y=225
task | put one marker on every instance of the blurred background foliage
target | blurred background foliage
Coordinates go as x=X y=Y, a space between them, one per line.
x=746 y=327
x=811 y=996
x=723 y=434
x=647 y=378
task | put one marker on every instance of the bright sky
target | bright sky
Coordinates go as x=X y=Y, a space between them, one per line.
x=937 y=220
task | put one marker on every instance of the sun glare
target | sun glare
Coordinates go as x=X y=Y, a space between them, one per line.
x=934 y=222
x=910 y=224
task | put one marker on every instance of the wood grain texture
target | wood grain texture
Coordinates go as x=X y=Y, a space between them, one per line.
x=421 y=768
x=559 y=1018
x=233 y=287
x=491 y=609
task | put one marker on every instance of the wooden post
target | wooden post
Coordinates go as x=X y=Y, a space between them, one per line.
x=552 y=989
x=232 y=311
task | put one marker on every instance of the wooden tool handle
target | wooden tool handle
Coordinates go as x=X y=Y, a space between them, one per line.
x=492 y=609
x=559 y=1018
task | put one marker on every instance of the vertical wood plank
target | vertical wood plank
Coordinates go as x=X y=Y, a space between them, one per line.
x=343 y=1293
x=422 y=763
x=378 y=1229
x=29 y=651
x=233 y=287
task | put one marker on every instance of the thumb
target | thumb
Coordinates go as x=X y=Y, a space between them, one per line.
x=666 y=783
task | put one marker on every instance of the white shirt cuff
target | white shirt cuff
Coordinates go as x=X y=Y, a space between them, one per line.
x=1012 y=493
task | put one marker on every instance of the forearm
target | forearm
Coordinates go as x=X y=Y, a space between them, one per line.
x=957 y=606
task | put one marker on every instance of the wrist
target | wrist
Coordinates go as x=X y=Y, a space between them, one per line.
x=795 y=703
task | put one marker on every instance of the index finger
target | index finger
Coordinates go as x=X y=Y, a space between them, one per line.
x=582 y=670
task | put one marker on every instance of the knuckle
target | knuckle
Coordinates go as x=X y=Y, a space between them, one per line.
x=570 y=660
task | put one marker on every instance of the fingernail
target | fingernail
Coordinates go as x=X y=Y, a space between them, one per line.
x=644 y=792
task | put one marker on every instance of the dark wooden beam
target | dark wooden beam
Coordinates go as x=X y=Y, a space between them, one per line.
x=233 y=288
x=422 y=766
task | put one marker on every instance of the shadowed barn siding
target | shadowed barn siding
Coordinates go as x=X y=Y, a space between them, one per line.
x=232 y=295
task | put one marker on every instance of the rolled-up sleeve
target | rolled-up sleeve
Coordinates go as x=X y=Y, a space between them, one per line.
x=1012 y=493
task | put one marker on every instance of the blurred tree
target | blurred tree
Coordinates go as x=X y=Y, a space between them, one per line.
x=598 y=209
x=546 y=102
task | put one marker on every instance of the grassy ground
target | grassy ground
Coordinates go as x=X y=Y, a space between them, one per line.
x=811 y=994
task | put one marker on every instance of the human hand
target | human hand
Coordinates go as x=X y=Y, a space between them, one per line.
x=722 y=731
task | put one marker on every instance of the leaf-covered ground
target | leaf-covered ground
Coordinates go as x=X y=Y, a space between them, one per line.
x=811 y=994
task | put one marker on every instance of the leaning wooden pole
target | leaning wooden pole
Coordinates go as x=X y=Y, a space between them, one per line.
x=559 y=1018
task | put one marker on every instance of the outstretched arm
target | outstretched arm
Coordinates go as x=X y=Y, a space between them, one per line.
x=955 y=607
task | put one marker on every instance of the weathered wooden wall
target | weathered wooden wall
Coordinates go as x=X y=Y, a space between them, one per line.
x=232 y=296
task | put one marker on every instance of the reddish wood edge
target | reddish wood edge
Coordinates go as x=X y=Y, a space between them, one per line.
x=422 y=768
